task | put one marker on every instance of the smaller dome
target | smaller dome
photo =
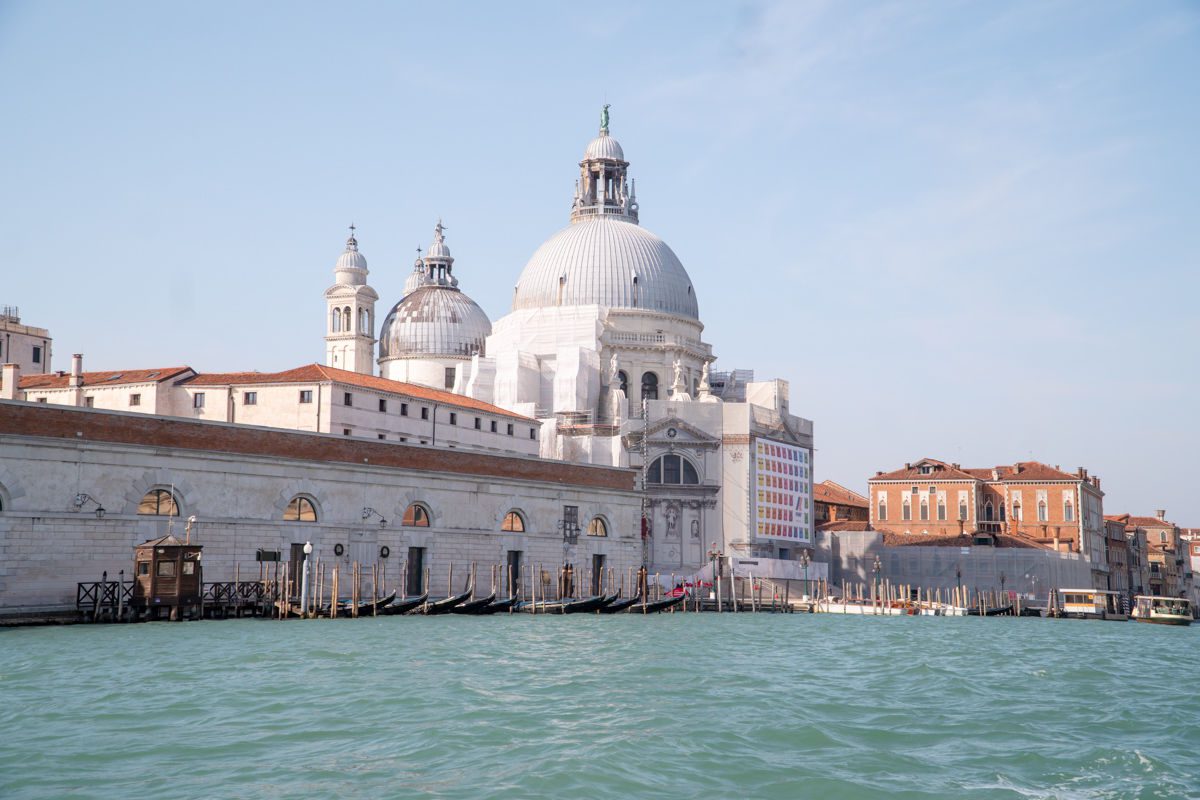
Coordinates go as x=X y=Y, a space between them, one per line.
x=351 y=267
x=604 y=146
x=434 y=321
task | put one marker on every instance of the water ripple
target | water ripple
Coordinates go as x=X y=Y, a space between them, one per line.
x=598 y=707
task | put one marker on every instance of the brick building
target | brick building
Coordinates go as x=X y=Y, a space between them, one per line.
x=1167 y=560
x=1027 y=504
x=834 y=503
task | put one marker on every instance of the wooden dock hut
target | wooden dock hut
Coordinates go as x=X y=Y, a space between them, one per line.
x=167 y=575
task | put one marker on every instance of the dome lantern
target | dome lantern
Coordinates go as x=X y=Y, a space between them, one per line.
x=603 y=188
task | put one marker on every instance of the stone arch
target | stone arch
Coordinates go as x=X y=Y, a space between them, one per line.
x=11 y=489
x=306 y=489
x=186 y=495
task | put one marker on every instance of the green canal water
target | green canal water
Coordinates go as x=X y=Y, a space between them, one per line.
x=674 y=706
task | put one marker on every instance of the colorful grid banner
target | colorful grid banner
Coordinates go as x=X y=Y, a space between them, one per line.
x=782 y=490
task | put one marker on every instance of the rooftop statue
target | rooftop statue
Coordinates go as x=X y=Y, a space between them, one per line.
x=604 y=119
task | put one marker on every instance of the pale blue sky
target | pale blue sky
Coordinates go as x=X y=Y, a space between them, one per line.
x=962 y=230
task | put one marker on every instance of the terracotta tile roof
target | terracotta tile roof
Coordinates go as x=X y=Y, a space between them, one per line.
x=113 y=377
x=845 y=525
x=317 y=373
x=941 y=472
x=1021 y=471
x=1035 y=471
x=830 y=492
x=900 y=539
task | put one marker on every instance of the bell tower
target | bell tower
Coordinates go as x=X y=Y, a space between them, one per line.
x=350 y=314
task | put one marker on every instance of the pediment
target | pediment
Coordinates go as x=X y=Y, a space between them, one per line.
x=673 y=432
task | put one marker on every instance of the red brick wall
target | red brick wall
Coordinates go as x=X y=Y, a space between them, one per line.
x=58 y=422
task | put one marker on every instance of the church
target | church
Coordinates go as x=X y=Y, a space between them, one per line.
x=600 y=363
x=604 y=347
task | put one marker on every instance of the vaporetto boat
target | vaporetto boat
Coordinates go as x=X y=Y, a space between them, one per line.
x=1163 y=610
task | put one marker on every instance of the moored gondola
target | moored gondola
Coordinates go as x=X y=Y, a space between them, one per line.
x=585 y=604
x=499 y=606
x=365 y=608
x=475 y=607
x=619 y=605
x=655 y=606
x=404 y=604
x=444 y=605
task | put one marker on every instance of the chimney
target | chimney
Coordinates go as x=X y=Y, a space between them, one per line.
x=956 y=466
x=907 y=465
x=1017 y=468
x=1096 y=481
x=1161 y=514
x=1079 y=472
x=878 y=473
x=76 y=371
x=12 y=377
x=1057 y=467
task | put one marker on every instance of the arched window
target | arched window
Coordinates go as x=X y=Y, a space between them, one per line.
x=941 y=509
x=1041 y=511
x=301 y=509
x=906 y=510
x=364 y=322
x=347 y=320
x=624 y=381
x=988 y=511
x=513 y=522
x=597 y=527
x=672 y=469
x=1017 y=510
x=962 y=509
x=924 y=508
x=649 y=386
x=1068 y=511
x=882 y=512
x=416 y=516
x=335 y=321
x=159 y=503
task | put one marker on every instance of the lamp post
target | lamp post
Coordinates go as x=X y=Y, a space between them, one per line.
x=1003 y=578
x=569 y=525
x=804 y=563
x=304 y=581
x=875 y=570
x=714 y=557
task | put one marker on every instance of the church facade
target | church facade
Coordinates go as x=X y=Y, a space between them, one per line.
x=604 y=347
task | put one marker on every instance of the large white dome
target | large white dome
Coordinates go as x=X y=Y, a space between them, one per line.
x=609 y=262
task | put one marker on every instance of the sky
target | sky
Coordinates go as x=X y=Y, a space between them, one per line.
x=966 y=231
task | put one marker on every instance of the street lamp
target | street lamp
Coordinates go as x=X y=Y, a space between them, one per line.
x=714 y=557
x=804 y=563
x=304 y=581
x=83 y=499
x=369 y=512
x=569 y=525
x=875 y=570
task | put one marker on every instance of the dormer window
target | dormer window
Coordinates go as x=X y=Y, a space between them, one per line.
x=926 y=469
